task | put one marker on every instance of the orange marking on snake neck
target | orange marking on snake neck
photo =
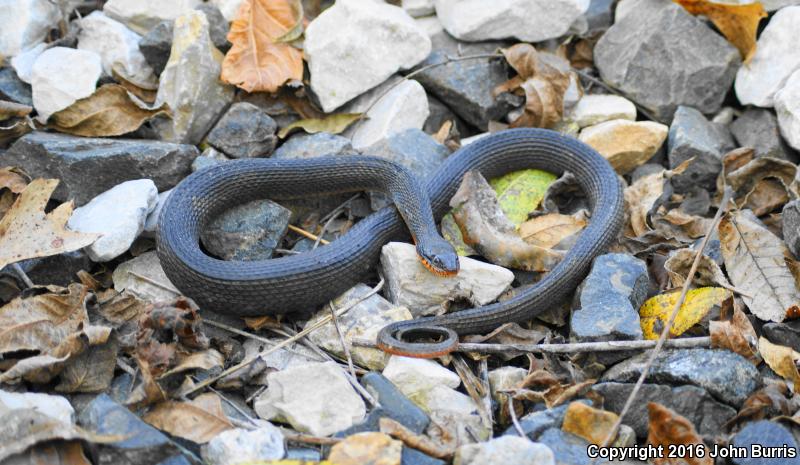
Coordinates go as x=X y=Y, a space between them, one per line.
x=444 y=274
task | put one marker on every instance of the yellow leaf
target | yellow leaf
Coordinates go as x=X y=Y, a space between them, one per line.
x=587 y=422
x=738 y=23
x=333 y=124
x=258 y=60
x=520 y=192
x=782 y=360
x=549 y=230
x=452 y=234
x=656 y=311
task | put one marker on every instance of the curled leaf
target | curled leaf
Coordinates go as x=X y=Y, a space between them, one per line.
x=552 y=229
x=733 y=331
x=198 y=420
x=333 y=124
x=708 y=273
x=656 y=310
x=738 y=23
x=782 y=360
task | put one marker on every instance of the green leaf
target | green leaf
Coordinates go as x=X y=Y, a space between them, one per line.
x=520 y=192
x=452 y=234
x=333 y=124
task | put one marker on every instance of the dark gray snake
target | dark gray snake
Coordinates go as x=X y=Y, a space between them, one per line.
x=308 y=280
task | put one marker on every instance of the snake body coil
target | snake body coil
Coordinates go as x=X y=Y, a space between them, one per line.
x=310 y=279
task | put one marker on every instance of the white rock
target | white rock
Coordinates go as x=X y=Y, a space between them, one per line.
x=456 y=413
x=787 y=106
x=25 y=23
x=229 y=8
x=418 y=8
x=430 y=24
x=118 y=214
x=56 y=407
x=292 y=355
x=238 y=445
x=142 y=15
x=151 y=223
x=60 y=76
x=356 y=44
x=190 y=82
x=595 y=109
x=117 y=46
x=416 y=377
x=314 y=398
x=528 y=20
x=508 y=450
x=126 y=276
x=23 y=63
x=777 y=57
x=404 y=107
x=503 y=378
x=769 y=5
x=411 y=285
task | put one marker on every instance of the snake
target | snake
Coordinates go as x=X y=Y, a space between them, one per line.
x=305 y=281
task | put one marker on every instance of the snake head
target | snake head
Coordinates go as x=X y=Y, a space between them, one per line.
x=438 y=256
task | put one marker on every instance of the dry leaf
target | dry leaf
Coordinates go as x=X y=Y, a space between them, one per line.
x=782 y=360
x=91 y=371
x=552 y=229
x=708 y=273
x=655 y=312
x=333 y=124
x=666 y=428
x=769 y=401
x=755 y=262
x=257 y=61
x=763 y=184
x=590 y=423
x=733 y=331
x=553 y=393
x=27 y=232
x=738 y=23
x=198 y=420
x=13 y=110
x=51 y=453
x=13 y=129
x=13 y=179
x=109 y=111
x=644 y=197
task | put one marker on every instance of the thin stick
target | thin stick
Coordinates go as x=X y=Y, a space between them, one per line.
x=249 y=335
x=513 y=414
x=342 y=341
x=22 y=275
x=155 y=283
x=325 y=228
x=307 y=234
x=308 y=439
x=614 y=91
x=665 y=332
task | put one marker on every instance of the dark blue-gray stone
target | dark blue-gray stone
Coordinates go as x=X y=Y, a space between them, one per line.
x=692 y=135
x=13 y=88
x=766 y=434
x=302 y=145
x=56 y=269
x=244 y=131
x=394 y=404
x=785 y=334
x=414 y=457
x=599 y=16
x=567 y=448
x=727 y=376
x=156 y=46
x=218 y=26
x=536 y=423
x=250 y=231
x=758 y=128
x=438 y=114
x=791 y=226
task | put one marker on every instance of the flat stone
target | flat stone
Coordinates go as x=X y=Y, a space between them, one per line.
x=62 y=76
x=26 y=23
x=410 y=284
x=418 y=8
x=13 y=88
x=787 y=106
x=356 y=44
x=363 y=321
x=23 y=62
x=697 y=76
x=415 y=376
x=404 y=107
x=320 y=144
x=107 y=162
x=209 y=157
x=765 y=435
x=508 y=450
x=727 y=376
x=143 y=15
x=415 y=457
x=785 y=334
x=692 y=135
x=190 y=82
x=466 y=86
x=594 y=109
x=118 y=214
x=242 y=445
x=776 y=58
x=156 y=44
x=695 y=404
x=58 y=269
x=758 y=128
x=244 y=131
x=625 y=144
x=56 y=407
x=610 y=297
x=302 y=396
x=527 y=20
x=117 y=46
x=127 y=277
x=250 y=231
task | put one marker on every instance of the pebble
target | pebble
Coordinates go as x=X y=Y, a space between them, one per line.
x=526 y=20
x=151 y=223
x=244 y=131
x=703 y=411
x=758 y=128
x=404 y=107
x=302 y=396
x=27 y=23
x=118 y=214
x=417 y=377
x=594 y=109
x=776 y=58
x=58 y=269
x=117 y=46
x=239 y=445
x=791 y=226
x=107 y=162
x=609 y=300
x=23 y=62
x=357 y=44
x=156 y=44
x=767 y=435
x=727 y=376
x=143 y=15
x=291 y=356
x=410 y=284
x=504 y=378
x=419 y=8
x=246 y=232
x=363 y=321
x=56 y=407
x=625 y=144
x=303 y=145
x=60 y=76
x=218 y=26
x=508 y=450
x=209 y=157
x=190 y=82
x=787 y=106
x=699 y=75
x=126 y=277
x=13 y=88
x=692 y=135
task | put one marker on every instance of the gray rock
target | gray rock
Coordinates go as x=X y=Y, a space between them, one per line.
x=599 y=16
x=508 y=450
x=13 y=88
x=244 y=131
x=56 y=269
x=609 y=300
x=414 y=457
x=645 y=170
x=645 y=55
x=567 y=448
x=250 y=231
x=218 y=26
x=692 y=402
x=438 y=114
x=466 y=86
x=791 y=226
x=536 y=423
x=758 y=128
x=106 y=162
x=692 y=135
x=209 y=157
x=785 y=334
x=156 y=45
x=727 y=376
x=314 y=145
x=764 y=435
x=151 y=223
x=241 y=445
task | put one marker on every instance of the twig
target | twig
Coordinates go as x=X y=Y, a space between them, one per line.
x=341 y=340
x=126 y=368
x=325 y=228
x=420 y=442
x=513 y=414
x=675 y=309
x=155 y=283
x=483 y=370
x=614 y=91
x=22 y=275
x=249 y=335
x=307 y=234
x=308 y=439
